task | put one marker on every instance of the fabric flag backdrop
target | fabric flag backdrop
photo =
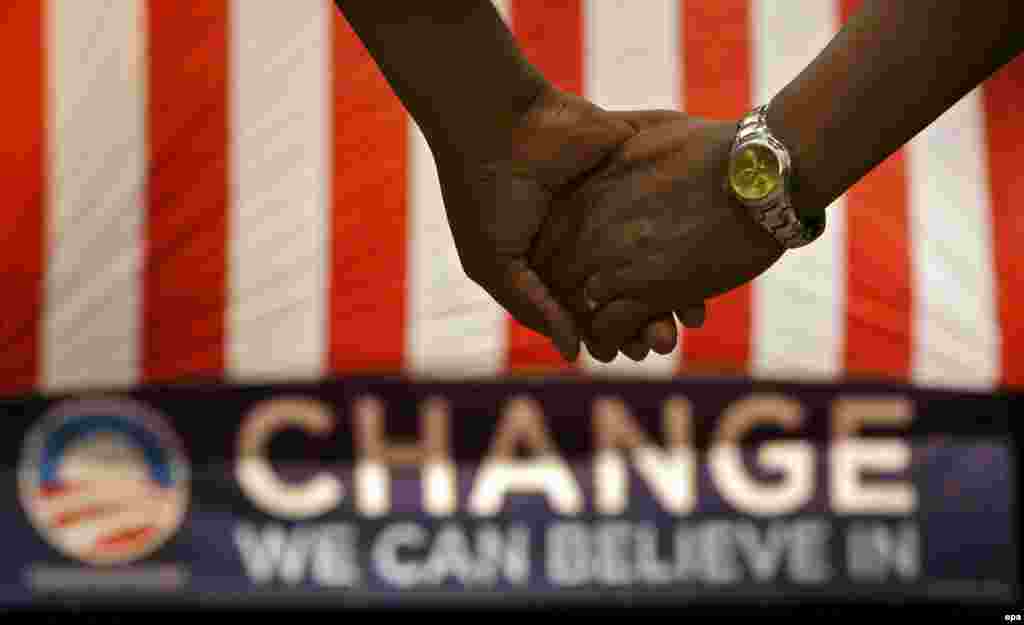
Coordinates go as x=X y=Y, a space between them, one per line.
x=228 y=190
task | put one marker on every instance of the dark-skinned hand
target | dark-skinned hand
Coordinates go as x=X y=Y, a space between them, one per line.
x=498 y=199
x=654 y=231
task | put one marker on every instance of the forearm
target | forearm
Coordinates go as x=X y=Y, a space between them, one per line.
x=454 y=65
x=893 y=69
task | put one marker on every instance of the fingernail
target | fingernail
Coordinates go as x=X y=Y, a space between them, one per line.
x=660 y=338
x=664 y=337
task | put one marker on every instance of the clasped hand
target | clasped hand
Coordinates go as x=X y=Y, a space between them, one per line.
x=598 y=225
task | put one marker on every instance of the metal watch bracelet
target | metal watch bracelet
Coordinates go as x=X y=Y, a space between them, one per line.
x=775 y=213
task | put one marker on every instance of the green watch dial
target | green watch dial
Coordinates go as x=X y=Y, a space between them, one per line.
x=755 y=172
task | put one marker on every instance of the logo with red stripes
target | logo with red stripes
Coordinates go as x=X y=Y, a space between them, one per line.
x=104 y=481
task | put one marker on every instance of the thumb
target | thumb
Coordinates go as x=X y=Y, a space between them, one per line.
x=587 y=148
x=578 y=137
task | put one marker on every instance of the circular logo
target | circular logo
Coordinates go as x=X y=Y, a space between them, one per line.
x=104 y=481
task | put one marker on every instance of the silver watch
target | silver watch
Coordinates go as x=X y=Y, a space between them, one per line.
x=760 y=177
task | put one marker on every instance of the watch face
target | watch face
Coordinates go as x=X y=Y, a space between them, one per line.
x=755 y=172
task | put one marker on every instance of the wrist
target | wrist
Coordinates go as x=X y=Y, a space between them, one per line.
x=808 y=184
x=762 y=178
x=487 y=131
x=454 y=65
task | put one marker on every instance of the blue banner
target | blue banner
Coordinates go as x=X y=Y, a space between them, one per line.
x=361 y=490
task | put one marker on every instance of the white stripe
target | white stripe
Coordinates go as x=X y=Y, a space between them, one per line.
x=84 y=535
x=100 y=492
x=455 y=328
x=280 y=63
x=798 y=304
x=632 y=53
x=956 y=331
x=97 y=68
x=632 y=61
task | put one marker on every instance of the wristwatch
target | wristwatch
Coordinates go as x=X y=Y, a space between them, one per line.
x=761 y=178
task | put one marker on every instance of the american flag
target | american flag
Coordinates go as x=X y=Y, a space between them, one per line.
x=228 y=190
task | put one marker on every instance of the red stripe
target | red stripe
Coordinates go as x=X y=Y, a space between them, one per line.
x=1004 y=99
x=717 y=83
x=551 y=35
x=23 y=167
x=368 y=223
x=184 y=281
x=124 y=539
x=879 y=317
x=53 y=490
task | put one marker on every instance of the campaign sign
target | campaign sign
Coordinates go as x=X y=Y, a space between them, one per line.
x=364 y=489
